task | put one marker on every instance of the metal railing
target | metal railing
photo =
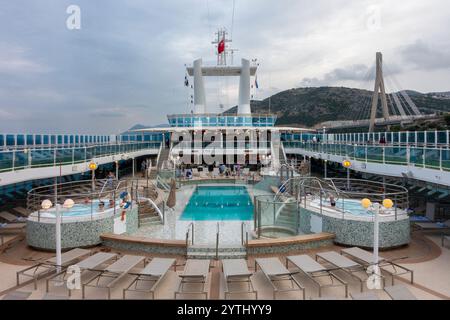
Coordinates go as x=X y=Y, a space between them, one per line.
x=83 y=195
x=422 y=157
x=189 y=232
x=217 y=240
x=49 y=157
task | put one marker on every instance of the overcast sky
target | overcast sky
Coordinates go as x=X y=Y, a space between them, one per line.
x=126 y=63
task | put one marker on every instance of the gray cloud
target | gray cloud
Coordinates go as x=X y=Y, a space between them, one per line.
x=126 y=64
x=424 y=56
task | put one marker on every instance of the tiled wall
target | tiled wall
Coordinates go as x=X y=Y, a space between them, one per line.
x=360 y=233
x=41 y=235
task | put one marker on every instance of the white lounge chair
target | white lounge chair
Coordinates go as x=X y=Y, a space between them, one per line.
x=445 y=238
x=154 y=272
x=367 y=259
x=22 y=211
x=17 y=295
x=11 y=217
x=215 y=173
x=276 y=272
x=93 y=262
x=12 y=227
x=343 y=263
x=195 y=272
x=400 y=292
x=236 y=271
x=432 y=225
x=43 y=269
x=195 y=173
x=112 y=274
x=314 y=271
x=368 y=295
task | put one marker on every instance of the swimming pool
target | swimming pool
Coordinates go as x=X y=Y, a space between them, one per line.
x=219 y=203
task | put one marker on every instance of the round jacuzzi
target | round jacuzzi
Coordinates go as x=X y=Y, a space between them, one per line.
x=93 y=213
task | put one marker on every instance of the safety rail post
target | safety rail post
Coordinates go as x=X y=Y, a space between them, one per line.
x=217 y=241
x=164 y=212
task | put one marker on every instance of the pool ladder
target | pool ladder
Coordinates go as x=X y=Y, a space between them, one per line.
x=190 y=231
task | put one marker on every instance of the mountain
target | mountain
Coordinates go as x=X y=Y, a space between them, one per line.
x=140 y=126
x=311 y=106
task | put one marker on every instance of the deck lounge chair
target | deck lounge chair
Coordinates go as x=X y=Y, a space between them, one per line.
x=345 y=264
x=245 y=172
x=17 y=295
x=154 y=272
x=432 y=225
x=276 y=272
x=236 y=271
x=22 y=211
x=112 y=273
x=92 y=262
x=11 y=217
x=445 y=238
x=12 y=227
x=368 y=295
x=367 y=259
x=195 y=272
x=215 y=173
x=204 y=173
x=48 y=266
x=400 y=292
x=314 y=270
x=195 y=173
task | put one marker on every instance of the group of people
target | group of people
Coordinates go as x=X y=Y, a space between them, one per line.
x=224 y=170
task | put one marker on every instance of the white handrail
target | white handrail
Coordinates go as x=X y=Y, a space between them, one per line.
x=154 y=206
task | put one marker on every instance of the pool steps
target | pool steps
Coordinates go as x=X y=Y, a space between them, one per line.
x=209 y=252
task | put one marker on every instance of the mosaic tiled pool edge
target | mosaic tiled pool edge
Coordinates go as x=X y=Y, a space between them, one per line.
x=291 y=248
x=143 y=247
x=359 y=233
x=41 y=235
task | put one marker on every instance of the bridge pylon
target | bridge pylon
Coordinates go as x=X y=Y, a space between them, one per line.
x=380 y=89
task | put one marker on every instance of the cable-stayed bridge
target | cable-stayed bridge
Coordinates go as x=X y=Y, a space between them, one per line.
x=382 y=108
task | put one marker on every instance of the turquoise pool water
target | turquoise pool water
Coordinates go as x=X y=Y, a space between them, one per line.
x=217 y=203
x=81 y=209
x=349 y=206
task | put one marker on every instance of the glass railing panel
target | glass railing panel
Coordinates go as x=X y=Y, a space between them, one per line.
x=360 y=153
x=6 y=161
x=442 y=137
x=20 y=159
x=63 y=156
x=395 y=155
x=417 y=157
x=78 y=155
x=42 y=157
x=432 y=158
x=375 y=154
x=446 y=159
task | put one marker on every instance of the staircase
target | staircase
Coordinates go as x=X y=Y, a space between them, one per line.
x=282 y=155
x=288 y=217
x=163 y=156
x=147 y=214
x=209 y=252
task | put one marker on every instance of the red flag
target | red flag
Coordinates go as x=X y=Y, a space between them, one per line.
x=221 y=46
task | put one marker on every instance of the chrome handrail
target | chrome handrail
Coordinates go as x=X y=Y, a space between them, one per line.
x=217 y=240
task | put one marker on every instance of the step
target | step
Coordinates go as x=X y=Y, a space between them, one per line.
x=206 y=248
x=221 y=255
x=150 y=219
